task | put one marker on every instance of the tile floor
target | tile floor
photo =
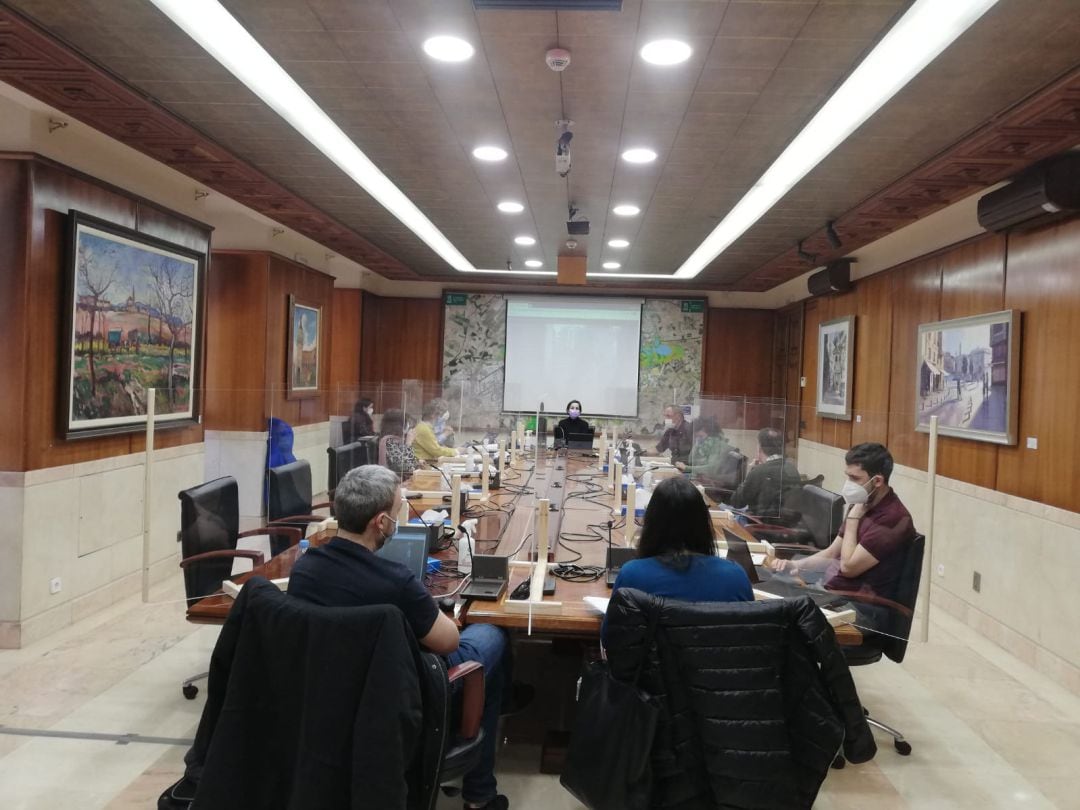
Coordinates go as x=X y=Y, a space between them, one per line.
x=987 y=731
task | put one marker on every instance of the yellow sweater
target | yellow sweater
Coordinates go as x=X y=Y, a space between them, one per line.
x=427 y=447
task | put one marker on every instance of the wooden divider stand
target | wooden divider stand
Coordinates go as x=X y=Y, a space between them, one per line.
x=455 y=501
x=484 y=484
x=535 y=603
x=630 y=527
x=502 y=458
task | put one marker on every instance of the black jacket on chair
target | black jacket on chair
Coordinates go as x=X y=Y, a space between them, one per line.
x=316 y=708
x=756 y=699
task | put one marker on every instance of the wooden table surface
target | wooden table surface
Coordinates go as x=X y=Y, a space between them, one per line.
x=509 y=517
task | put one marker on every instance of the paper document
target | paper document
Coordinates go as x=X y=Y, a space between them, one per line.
x=597 y=603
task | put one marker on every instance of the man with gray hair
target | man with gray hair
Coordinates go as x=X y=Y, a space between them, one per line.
x=347 y=572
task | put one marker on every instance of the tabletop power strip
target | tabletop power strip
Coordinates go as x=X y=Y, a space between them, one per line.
x=233 y=588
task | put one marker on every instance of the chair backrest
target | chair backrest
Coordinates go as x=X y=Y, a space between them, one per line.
x=209 y=521
x=894 y=645
x=382 y=450
x=289 y=490
x=344 y=458
x=822 y=513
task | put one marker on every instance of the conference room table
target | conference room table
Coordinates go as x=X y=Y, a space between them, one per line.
x=582 y=507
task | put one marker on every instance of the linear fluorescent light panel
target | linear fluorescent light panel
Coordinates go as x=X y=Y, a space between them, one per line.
x=228 y=41
x=927 y=29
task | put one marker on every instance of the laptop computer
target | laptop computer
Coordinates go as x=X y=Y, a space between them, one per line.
x=490 y=573
x=579 y=440
x=617 y=557
x=739 y=552
x=408 y=546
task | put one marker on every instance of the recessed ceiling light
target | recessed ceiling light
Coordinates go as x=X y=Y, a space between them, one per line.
x=666 y=52
x=489 y=153
x=508 y=207
x=611 y=265
x=534 y=263
x=618 y=243
x=225 y=39
x=448 y=49
x=926 y=29
x=639 y=155
x=524 y=240
x=626 y=210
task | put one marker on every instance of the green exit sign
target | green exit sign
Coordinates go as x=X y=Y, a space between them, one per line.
x=693 y=306
x=456 y=299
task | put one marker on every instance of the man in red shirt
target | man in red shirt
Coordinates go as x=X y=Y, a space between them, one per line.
x=869 y=551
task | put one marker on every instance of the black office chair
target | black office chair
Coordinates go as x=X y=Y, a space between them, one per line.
x=348 y=456
x=209 y=530
x=326 y=714
x=755 y=698
x=820 y=513
x=721 y=483
x=892 y=641
x=289 y=498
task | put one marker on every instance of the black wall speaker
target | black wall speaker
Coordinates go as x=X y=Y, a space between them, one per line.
x=836 y=277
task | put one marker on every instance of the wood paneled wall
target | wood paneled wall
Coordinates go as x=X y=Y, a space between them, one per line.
x=1036 y=272
x=345 y=350
x=35 y=197
x=247 y=340
x=401 y=339
x=738 y=352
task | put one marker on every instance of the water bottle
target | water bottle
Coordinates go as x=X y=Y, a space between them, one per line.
x=304 y=545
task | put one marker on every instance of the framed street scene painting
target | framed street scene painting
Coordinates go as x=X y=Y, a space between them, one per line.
x=133 y=306
x=967 y=376
x=305 y=324
x=836 y=355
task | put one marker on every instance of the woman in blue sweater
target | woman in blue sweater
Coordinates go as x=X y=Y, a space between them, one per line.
x=676 y=551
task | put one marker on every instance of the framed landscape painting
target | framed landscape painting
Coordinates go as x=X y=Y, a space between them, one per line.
x=966 y=375
x=132 y=312
x=305 y=323
x=836 y=355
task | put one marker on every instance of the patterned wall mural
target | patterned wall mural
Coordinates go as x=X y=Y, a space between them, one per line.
x=474 y=341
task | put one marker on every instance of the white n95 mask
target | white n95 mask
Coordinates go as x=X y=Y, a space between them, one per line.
x=853 y=493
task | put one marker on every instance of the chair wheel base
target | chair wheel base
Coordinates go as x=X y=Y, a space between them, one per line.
x=903 y=747
x=190 y=690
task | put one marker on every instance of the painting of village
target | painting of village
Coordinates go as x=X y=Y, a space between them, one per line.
x=134 y=306
x=966 y=377
x=303 y=348
x=835 y=356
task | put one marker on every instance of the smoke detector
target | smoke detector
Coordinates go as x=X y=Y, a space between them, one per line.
x=558 y=59
x=571 y=244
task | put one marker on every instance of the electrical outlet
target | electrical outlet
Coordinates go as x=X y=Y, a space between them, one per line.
x=1032 y=443
x=858 y=417
x=941 y=569
x=55 y=585
x=976 y=582
x=802 y=382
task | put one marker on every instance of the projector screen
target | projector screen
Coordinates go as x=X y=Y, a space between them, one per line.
x=560 y=348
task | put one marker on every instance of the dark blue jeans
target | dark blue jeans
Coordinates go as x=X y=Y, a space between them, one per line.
x=491 y=647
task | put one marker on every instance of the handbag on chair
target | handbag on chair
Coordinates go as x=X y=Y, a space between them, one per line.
x=607 y=761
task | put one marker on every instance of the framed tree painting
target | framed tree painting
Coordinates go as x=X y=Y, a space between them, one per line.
x=836 y=356
x=966 y=375
x=133 y=308
x=305 y=339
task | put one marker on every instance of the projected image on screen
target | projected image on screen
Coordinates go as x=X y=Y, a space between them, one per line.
x=563 y=348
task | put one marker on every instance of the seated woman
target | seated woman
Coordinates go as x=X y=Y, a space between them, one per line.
x=360 y=423
x=424 y=443
x=573 y=424
x=399 y=456
x=710 y=448
x=676 y=552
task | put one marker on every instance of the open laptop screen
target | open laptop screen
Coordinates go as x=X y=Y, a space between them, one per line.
x=408 y=546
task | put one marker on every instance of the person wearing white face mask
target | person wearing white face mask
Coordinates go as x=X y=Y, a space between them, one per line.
x=360 y=424
x=678 y=435
x=869 y=551
x=347 y=572
x=425 y=442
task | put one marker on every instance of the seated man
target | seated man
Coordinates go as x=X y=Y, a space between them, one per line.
x=869 y=552
x=770 y=480
x=678 y=436
x=346 y=572
x=711 y=450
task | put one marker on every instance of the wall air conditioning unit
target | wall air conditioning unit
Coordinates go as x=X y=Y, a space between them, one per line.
x=1048 y=190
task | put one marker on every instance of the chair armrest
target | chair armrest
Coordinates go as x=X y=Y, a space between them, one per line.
x=874 y=599
x=472 y=703
x=256 y=557
x=285 y=521
x=291 y=532
x=323 y=505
